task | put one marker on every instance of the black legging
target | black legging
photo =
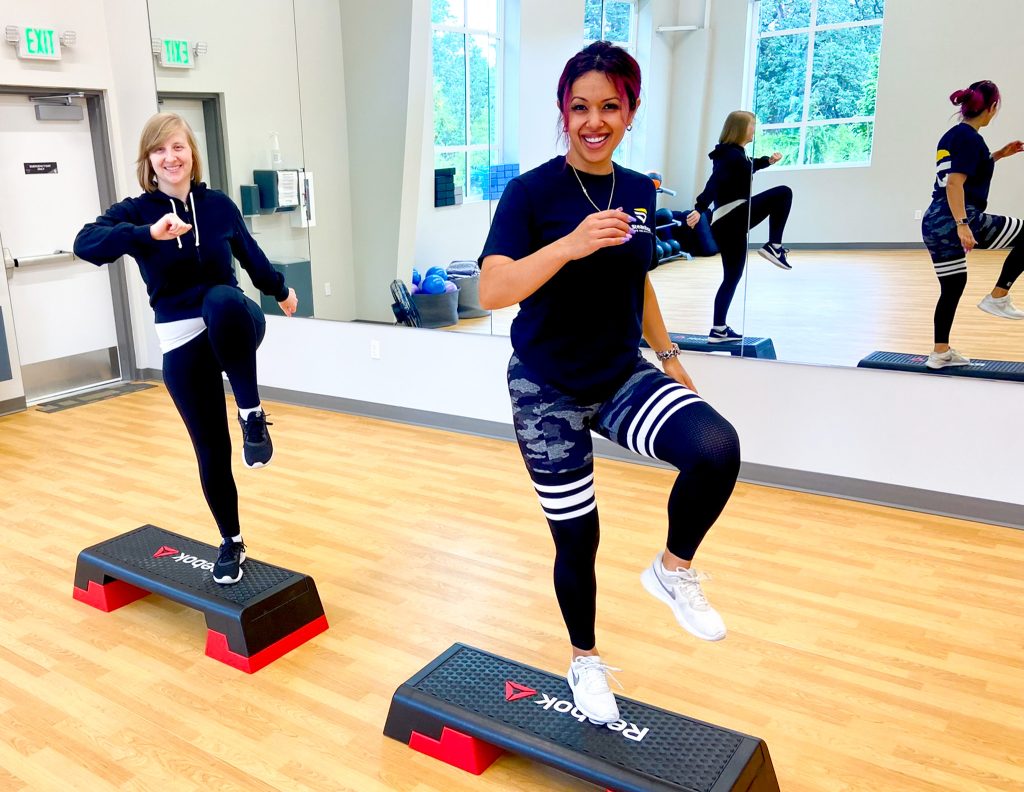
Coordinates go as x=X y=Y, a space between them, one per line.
x=730 y=234
x=951 y=289
x=192 y=373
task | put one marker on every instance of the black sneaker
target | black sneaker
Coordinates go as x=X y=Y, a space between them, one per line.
x=776 y=254
x=256 y=446
x=723 y=336
x=228 y=568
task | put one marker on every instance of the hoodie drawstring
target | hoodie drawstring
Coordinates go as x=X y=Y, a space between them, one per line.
x=195 y=217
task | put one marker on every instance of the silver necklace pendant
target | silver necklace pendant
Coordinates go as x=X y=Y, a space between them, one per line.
x=587 y=195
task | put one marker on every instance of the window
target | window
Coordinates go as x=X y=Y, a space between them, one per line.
x=614 y=21
x=466 y=54
x=815 y=73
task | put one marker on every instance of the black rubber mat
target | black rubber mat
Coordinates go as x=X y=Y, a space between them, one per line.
x=1010 y=370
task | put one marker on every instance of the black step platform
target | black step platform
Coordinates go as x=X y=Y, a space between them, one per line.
x=269 y=612
x=468 y=706
x=747 y=347
x=986 y=369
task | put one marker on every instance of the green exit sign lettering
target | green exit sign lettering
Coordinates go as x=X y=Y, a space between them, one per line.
x=38 y=43
x=176 y=54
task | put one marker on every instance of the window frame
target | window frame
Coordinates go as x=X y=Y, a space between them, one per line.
x=804 y=124
x=468 y=149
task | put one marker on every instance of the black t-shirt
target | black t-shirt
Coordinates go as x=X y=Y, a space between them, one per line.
x=963 y=150
x=581 y=330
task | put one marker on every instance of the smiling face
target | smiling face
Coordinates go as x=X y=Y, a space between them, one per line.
x=172 y=163
x=597 y=117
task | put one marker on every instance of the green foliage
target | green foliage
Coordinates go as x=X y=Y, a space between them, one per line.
x=784 y=141
x=834 y=143
x=618 y=18
x=779 y=86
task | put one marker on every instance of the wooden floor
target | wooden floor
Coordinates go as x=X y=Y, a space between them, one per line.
x=873 y=649
x=834 y=307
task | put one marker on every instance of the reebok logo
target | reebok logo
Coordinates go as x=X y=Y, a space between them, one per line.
x=514 y=692
x=183 y=558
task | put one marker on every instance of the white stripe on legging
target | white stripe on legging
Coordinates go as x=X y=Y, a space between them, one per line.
x=569 y=515
x=564 y=487
x=678 y=393
x=566 y=501
x=1009 y=231
x=661 y=423
x=642 y=412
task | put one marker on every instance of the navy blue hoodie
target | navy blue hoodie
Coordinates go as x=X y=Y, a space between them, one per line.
x=730 y=176
x=179 y=272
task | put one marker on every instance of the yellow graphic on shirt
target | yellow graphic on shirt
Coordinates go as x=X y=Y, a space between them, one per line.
x=641 y=214
x=941 y=154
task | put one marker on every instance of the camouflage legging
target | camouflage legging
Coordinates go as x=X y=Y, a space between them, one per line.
x=650 y=414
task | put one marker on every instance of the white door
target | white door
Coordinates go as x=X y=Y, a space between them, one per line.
x=62 y=308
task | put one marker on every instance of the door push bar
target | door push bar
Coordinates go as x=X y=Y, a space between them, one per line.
x=10 y=262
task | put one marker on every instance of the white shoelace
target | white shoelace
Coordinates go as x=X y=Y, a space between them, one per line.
x=687 y=581
x=594 y=675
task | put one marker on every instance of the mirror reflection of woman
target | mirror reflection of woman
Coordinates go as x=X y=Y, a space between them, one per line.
x=735 y=211
x=572 y=241
x=956 y=222
x=185 y=238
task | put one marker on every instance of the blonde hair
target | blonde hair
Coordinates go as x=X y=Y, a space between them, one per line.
x=735 y=128
x=154 y=134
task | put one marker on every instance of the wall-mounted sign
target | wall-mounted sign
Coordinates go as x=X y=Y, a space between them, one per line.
x=176 y=54
x=37 y=43
x=32 y=168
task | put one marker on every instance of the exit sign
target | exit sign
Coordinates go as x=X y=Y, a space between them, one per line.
x=39 y=44
x=176 y=54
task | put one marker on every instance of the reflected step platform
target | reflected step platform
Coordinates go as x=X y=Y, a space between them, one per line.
x=469 y=706
x=269 y=612
x=1012 y=371
x=747 y=347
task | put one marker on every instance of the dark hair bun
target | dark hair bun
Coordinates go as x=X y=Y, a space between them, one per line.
x=962 y=97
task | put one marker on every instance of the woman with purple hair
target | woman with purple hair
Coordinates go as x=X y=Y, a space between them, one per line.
x=572 y=241
x=956 y=222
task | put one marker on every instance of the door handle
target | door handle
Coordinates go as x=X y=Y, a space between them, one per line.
x=10 y=262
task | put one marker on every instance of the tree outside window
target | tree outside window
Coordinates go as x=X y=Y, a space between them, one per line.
x=815 y=75
x=466 y=51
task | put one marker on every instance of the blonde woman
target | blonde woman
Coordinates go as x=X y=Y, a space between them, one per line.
x=734 y=212
x=185 y=238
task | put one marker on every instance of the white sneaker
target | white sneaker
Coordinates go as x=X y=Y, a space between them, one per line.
x=938 y=360
x=587 y=678
x=681 y=591
x=1000 y=306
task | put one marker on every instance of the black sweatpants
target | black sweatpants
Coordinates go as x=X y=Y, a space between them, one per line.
x=192 y=373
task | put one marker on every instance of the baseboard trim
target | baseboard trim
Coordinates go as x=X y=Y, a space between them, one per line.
x=13 y=405
x=894 y=495
x=848 y=245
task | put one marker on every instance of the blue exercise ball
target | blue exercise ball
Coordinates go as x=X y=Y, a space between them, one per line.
x=416 y=277
x=432 y=284
x=441 y=272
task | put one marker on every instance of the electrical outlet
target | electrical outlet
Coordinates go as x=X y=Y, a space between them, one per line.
x=327 y=289
x=375 y=350
x=918 y=214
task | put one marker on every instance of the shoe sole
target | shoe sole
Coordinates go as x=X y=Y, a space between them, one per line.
x=724 y=340
x=593 y=719
x=257 y=464
x=649 y=580
x=951 y=364
x=768 y=257
x=1000 y=315
x=226 y=581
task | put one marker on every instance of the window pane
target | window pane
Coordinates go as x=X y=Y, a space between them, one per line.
x=482 y=59
x=449 y=89
x=784 y=141
x=453 y=159
x=618 y=21
x=482 y=14
x=448 y=12
x=830 y=11
x=845 y=72
x=592 y=20
x=479 y=173
x=779 y=84
x=784 y=14
x=838 y=143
